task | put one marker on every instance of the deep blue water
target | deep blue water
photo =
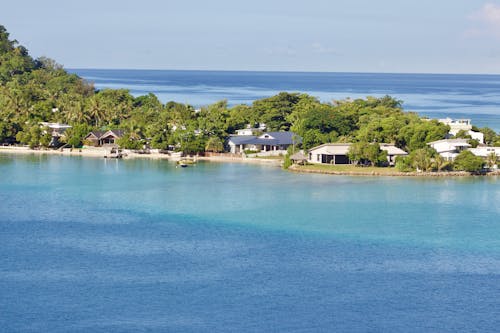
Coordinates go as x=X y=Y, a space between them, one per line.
x=91 y=245
x=432 y=95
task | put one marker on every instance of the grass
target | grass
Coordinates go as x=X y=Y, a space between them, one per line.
x=347 y=168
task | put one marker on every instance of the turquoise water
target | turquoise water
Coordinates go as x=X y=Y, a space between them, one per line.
x=139 y=245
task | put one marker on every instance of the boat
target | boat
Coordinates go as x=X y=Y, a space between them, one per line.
x=183 y=163
x=114 y=153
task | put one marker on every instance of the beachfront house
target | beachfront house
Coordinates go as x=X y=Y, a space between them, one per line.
x=329 y=153
x=103 y=138
x=269 y=143
x=337 y=153
x=449 y=148
x=92 y=139
x=392 y=152
x=56 y=131
x=457 y=125
x=485 y=151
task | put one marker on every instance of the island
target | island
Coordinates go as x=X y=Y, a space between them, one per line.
x=46 y=109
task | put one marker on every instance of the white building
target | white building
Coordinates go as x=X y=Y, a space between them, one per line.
x=56 y=131
x=269 y=143
x=449 y=148
x=457 y=125
x=484 y=151
x=247 y=131
x=337 y=153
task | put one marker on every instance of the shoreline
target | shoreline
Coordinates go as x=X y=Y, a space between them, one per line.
x=100 y=152
x=441 y=174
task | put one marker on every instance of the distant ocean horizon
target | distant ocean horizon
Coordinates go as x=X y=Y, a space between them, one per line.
x=473 y=96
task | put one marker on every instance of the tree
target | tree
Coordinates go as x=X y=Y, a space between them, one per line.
x=489 y=135
x=364 y=151
x=274 y=111
x=34 y=136
x=356 y=152
x=128 y=142
x=421 y=159
x=74 y=136
x=491 y=159
x=469 y=162
x=214 y=144
x=440 y=162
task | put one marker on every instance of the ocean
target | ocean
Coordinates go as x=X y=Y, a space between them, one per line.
x=96 y=245
x=476 y=97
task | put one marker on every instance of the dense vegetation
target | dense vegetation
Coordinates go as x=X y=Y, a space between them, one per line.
x=37 y=90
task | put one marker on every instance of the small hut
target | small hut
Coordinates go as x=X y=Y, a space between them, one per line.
x=298 y=158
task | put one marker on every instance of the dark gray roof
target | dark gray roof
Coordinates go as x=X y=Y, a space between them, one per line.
x=241 y=139
x=115 y=133
x=97 y=134
x=278 y=138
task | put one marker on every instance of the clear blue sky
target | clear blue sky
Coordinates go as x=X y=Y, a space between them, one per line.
x=424 y=36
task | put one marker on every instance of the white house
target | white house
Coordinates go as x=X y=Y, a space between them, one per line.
x=449 y=148
x=247 y=131
x=457 y=125
x=336 y=153
x=392 y=152
x=329 y=153
x=270 y=143
x=56 y=131
x=484 y=151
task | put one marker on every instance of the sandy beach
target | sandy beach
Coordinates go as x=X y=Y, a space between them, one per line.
x=98 y=152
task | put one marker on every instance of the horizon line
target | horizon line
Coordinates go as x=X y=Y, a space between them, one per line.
x=274 y=71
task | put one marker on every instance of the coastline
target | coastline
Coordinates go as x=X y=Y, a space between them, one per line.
x=100 y=152
x=296 y=169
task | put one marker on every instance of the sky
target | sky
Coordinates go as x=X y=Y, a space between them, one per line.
x=391 y=36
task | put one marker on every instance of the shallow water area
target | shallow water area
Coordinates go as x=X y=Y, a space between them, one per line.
x=89 y=244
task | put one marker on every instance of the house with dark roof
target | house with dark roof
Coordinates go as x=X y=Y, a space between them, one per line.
x=269 y=143
x=92 y=139
x=103 y=138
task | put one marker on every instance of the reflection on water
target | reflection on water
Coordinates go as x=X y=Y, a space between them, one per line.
x=111 y=246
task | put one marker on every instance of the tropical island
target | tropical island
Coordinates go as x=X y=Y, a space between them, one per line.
x=44 y=107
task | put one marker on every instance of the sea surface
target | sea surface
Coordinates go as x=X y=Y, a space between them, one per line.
x=476 y=97
x=95 y=245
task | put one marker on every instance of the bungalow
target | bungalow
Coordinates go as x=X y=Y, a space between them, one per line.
x=337 y=153
x=269 y=143
x=101 y=138
x=298 y=158
x=92 y=139
x=449 y=148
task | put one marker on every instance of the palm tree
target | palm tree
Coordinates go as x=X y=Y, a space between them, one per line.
x=439 y=162
x=421 y=160
x=491 y=159
x=96 y=111
x=214 y=144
